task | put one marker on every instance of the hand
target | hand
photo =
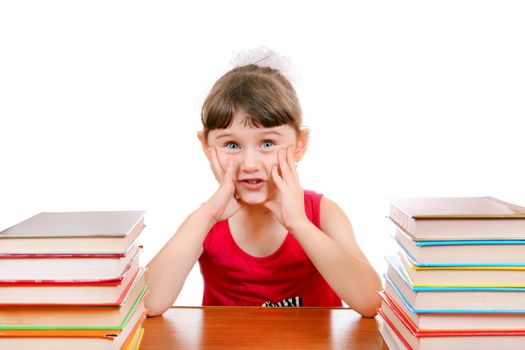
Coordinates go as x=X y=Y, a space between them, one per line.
x=288 y=202
x=224 y=202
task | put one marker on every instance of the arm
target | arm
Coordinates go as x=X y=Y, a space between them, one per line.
x=168 y=270
x=338 y=258
x=333 y=251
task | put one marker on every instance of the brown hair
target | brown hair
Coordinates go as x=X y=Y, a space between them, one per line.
x=263 y=93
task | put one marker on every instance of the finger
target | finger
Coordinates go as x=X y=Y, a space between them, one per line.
x=215 y=165
x=279 y=182
x=230 y=170
x=283 y=166
x=291 y=163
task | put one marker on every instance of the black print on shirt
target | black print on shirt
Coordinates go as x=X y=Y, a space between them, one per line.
x=288 y=302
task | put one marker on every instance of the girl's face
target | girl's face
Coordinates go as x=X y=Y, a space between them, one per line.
x=254 y=151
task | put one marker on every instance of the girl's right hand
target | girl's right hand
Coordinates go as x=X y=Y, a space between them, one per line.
x=224 y=203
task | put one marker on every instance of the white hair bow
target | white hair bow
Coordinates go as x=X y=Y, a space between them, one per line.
x=264 y=57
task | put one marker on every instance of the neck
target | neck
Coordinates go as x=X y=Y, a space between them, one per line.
x=255 y=216
x=258 y=211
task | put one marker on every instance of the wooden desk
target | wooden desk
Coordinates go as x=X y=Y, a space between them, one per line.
x=260 y=328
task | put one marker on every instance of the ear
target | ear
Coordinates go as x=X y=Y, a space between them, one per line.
x=302 y=144
x=204 y=144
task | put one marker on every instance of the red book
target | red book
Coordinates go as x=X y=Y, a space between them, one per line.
x=405 y=335
x=27 y=268
x=453 y=323
x=95 y=293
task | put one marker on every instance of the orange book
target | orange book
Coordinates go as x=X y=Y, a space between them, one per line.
x=86 y=340
x=28 y=317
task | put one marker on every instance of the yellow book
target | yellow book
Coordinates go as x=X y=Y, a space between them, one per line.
x=461 y=276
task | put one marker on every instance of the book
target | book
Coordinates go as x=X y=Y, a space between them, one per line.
x=76 y=339
x=73 y=331
x=82 y=293
x=101 y=232
x=72 y=280
x=392 y=341
x=134 y=342
x=112 y=280
x=402 y=335
x=463 y=276
x=458 y=218
x=454 y=321
x=462 y=252
x=95 y=267
x=454 y=298
x=73 y=317
x=394 y=313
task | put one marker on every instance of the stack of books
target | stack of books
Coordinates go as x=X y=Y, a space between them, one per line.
x=458 y=279
x=72 y=280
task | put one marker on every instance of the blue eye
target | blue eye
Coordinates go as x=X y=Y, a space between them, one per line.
x=232 y=145
x=267 y=144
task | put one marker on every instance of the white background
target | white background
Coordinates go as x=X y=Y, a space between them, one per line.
x=100 y=103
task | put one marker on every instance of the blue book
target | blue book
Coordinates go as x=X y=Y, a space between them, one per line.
x=453 y=299
x=462 y=253
x=462 y=276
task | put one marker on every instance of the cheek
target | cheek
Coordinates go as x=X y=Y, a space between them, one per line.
x=223 y=157
x=269 y=162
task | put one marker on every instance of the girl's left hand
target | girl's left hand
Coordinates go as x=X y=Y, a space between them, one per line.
x=288 y=203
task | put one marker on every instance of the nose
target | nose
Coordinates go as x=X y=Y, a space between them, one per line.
x=249 y=161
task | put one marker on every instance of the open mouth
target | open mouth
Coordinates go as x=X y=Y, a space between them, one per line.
x=252 y=181
x=252 y=184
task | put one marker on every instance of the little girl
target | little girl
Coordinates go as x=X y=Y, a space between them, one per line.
x=261 y=239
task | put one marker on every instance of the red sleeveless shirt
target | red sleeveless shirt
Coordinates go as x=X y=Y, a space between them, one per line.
x=234 y=277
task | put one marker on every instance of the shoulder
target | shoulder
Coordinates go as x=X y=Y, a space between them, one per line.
x=327 y=212
x=327 y=207
x=330 y=210
x=335 y=224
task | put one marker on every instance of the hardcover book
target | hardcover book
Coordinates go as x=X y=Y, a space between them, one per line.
x=461 y=276
x=103 y=232
x=403 y=335
x=78 y=294
x=455 y=321
x=94 y=267
x=459 y=218
x=453 y=298
x=77 y=339
x=20 y=317
x=463 y=252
